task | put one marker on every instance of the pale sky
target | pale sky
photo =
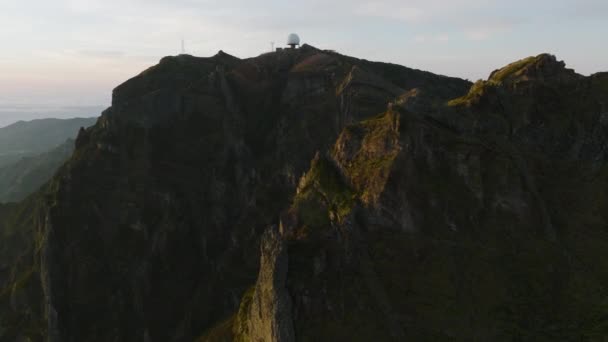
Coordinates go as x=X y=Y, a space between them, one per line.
x=74 y=52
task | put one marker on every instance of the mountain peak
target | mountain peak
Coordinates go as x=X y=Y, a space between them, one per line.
x=542 y=70
x=221 y=55
x=542 y=67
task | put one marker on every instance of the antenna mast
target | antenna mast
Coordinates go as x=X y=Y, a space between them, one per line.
x=271 y=46
x=183 y=47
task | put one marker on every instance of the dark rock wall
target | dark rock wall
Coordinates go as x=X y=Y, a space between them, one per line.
x=426 y=213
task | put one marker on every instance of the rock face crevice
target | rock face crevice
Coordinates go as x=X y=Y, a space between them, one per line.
x=269 y=315
x=47 y=274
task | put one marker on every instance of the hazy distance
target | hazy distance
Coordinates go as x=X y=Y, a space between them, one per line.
x=12 y=113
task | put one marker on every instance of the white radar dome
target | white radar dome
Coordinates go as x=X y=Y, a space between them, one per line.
x=293 y=39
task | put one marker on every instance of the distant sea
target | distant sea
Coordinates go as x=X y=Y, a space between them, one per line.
x=10 y=114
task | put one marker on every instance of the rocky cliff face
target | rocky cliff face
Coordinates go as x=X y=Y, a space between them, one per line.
x=460 y=220
x=403 y=206
x=267 y=314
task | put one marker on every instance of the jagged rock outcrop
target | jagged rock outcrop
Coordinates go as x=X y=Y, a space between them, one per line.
x=542 y=68
x=268 y=314
x=454 y=229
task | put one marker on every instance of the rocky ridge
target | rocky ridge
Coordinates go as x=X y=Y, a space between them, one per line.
x=402 y=207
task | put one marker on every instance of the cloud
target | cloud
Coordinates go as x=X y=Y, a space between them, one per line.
x=460 y=17
x=417 y=11
x=586 y=9
x=102 y=54
x=111 y=40
x=442 y=37
x=387 y=10
x=420 y=38
x=487 y=30
x=479 y=34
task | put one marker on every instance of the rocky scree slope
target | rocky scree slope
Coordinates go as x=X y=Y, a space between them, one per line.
x=306 y=195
